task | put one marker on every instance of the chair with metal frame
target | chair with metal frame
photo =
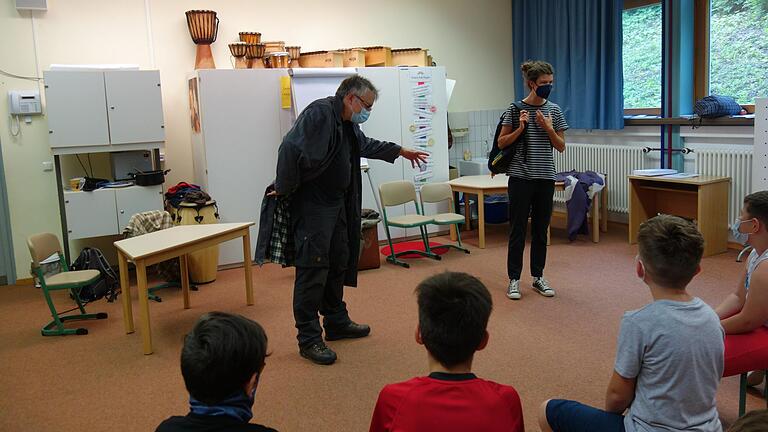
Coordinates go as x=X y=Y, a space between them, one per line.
x=42 y=246
x=398 y=193
x=437 y=193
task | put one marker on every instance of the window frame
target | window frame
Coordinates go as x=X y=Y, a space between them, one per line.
x=701 y=54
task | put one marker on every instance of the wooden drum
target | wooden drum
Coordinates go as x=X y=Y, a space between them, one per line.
x=238 y=52
x=250 y=37
x=278 y=60
x=203 y=27
x=255 y=55
x=294 y=52
x=274 y=46
x=203 y=264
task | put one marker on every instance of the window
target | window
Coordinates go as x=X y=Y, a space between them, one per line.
x=641 y=45
x=738 y=49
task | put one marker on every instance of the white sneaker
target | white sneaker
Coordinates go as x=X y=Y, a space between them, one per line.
x=513 y=290
x=541 y=286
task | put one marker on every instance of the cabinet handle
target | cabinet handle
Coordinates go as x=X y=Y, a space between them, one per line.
x=111 y=107
x=66 y=202
x=122 y=211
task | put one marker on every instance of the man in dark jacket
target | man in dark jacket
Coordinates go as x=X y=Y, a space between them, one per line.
x=318 y=167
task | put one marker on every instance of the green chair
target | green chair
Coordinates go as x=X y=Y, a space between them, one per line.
x=398 y=193
x=437 y=193
x=41 y=246
x=743 y=391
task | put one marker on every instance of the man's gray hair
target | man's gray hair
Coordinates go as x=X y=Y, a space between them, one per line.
x=356 y=85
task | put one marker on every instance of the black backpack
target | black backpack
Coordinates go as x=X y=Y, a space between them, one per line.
x=499 y=159
x=106 y=286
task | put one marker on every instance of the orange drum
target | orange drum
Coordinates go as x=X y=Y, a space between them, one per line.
x=203 y=264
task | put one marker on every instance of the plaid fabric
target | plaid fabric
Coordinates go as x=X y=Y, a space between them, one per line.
x=281 y=249
x=148 y=222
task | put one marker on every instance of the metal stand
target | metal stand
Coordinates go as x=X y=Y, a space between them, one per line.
x=367 y=171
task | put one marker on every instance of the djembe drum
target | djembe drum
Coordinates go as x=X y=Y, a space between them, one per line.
x=255 y=55
x=250 y=37
x=238 y=52
x=277 y=60
x=294 y=52
x=202 y=264
x=203 y=27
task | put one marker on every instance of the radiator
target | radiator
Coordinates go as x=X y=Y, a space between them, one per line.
x=733 y=163
x=616 y=161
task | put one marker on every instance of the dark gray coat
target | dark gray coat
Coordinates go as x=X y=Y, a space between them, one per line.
x=304 y=154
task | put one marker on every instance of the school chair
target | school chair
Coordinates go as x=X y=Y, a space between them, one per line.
x=399 y=193
x=437 y=193
x=41 y=246
x=745 y=353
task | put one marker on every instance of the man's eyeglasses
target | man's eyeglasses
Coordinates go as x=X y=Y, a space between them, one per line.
x=368 y=107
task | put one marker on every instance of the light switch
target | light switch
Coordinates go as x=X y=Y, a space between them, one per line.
x=47 y=166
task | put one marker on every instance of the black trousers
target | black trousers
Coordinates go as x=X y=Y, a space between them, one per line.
x=528 y=198
x=322 y=256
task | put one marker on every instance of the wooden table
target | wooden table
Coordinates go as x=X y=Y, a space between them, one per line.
x=170 y=243
x=482 y=185
x=703 y=199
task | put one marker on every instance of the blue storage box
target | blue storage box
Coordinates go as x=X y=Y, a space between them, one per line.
x=496 y=209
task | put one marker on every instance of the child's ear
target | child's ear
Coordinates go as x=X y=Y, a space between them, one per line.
x=250 y=387
x=698 y=270
x=418 y=336
x=640 y=270
x=483 y=341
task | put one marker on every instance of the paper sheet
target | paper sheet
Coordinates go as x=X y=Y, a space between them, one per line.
x=310 y=84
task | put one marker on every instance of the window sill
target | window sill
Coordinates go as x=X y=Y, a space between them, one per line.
x=684 y=121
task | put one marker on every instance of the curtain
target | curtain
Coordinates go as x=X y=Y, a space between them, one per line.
x=582 y=41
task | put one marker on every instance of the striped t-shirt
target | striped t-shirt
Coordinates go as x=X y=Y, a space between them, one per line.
x=535 y=162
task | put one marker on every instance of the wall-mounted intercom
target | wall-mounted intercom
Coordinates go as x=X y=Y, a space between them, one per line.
x=24 y=102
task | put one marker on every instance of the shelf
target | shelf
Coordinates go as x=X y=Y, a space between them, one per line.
x=684 y=121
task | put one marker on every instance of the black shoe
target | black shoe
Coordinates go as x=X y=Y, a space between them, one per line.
x=350 y=331
x=318 y=353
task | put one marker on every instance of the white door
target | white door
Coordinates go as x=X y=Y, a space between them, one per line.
x=436 y=142
x=384 y=125
x=90 y=214
x=136 y=199
x=76 y=108
x=135 y=106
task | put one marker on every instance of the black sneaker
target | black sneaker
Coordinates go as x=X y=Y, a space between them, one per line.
x=318 y=353
x=350 y=331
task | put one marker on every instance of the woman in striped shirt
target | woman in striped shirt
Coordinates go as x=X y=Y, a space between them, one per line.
x=532 y=173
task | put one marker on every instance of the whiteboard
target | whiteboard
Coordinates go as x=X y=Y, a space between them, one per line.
x=760 y=148
x=310 y=84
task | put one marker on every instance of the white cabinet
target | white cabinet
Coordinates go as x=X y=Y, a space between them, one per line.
x=96 y=111
x=90 y=214
x=135 y=107
x=107 y=211
x=77 y=109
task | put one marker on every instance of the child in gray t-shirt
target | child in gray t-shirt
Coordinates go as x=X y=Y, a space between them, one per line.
x=669 y=358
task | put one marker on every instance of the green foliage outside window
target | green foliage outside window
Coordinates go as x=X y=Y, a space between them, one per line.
x=738 y=52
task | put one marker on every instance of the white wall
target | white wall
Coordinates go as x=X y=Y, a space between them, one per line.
x=472 y=39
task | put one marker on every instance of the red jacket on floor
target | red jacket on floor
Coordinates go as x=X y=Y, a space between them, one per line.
x=447 y=403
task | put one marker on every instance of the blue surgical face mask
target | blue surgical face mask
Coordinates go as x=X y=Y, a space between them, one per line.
x=739 y=236
x=544 y=90
x=360 y=117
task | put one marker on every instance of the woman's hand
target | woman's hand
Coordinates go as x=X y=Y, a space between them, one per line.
x=524 y=119
x=544 y=121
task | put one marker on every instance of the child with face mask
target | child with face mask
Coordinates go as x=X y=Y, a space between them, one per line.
x=744 y=313
x=221 y=361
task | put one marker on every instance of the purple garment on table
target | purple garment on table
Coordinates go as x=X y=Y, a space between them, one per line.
x=578 y=205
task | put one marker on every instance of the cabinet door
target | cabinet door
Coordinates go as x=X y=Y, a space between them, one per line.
x=76 y=108
x=90 y=214
x=135 y=107
x=137 y=199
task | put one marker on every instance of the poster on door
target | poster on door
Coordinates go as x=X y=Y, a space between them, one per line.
x=421 y=130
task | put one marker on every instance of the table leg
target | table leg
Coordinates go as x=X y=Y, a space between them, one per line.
x=141 y=281
x=125 y=292
x=467 y=213
x=595 y=219
x=248 y=267
x=481 y=219
x=184 y=264
x=604 y=208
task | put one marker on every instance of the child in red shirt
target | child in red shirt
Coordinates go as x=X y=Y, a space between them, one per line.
x=453 y=315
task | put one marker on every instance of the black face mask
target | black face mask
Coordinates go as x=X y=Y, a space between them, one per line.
x=543 y=90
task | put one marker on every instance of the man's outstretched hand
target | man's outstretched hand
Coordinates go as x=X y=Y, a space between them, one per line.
x=415 y=156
